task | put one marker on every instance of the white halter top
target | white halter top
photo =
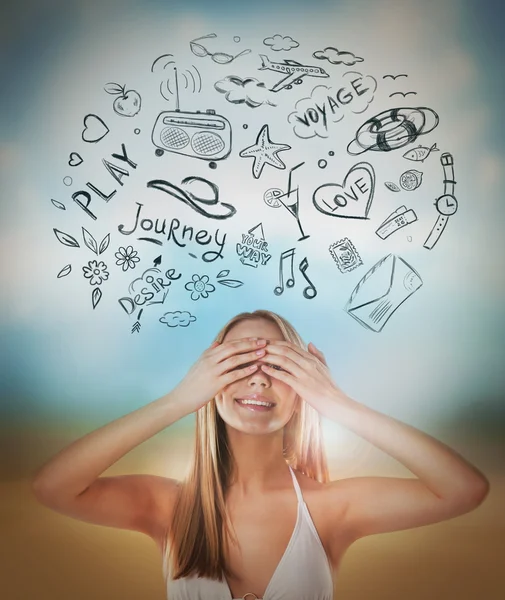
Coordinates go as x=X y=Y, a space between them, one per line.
x=303 y=573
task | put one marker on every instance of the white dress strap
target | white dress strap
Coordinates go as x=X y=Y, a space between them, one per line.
x=297 y=486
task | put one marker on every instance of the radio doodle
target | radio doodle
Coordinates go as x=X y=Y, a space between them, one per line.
x=200 y=135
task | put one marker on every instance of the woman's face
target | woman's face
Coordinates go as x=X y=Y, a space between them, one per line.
x=258 y=386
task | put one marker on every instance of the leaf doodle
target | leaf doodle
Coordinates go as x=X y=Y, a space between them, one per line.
x=59 y=205
x=104 y=244
x=90 y=241
x=96 y=296
x=224 y=273
x=65 y=271
x=232 y=283
x=65 y=238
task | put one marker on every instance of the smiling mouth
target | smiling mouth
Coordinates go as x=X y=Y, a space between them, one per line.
x=255 y=405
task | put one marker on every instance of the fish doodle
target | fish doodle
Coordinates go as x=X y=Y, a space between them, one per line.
x=420 y=153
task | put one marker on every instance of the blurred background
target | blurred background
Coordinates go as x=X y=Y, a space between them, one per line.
x=77 y=352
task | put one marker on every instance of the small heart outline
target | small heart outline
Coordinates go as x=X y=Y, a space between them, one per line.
x=75 y=159
x=93 y=128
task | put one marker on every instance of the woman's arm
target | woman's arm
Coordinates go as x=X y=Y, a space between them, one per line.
x=447 y=484
x=70 y=482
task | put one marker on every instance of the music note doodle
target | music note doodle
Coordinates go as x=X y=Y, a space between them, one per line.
x=290 y=282
x=310 y=291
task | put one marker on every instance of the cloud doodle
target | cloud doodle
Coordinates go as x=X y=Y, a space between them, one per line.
x=337 y=57
x=178 y=318
x=279 y=42
x=313 y=115
x=248 y=91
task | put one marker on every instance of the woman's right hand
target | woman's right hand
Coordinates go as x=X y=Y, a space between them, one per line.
x=218 y=366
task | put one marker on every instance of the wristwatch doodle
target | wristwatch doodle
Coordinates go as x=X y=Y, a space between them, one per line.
x=447 y=205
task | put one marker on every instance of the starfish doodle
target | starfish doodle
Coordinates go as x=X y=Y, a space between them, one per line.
x=264 y=151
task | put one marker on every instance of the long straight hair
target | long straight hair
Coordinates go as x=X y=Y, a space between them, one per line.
x=197 y=537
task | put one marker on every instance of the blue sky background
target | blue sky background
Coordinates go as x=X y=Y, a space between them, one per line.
x=440 y=356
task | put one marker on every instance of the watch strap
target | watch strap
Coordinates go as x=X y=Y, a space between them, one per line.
x=436 y=232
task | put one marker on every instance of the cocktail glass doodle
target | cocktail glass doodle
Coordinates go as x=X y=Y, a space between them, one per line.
x=221 y=58
x=293 y=206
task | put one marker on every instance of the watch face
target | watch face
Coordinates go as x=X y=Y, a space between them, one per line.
x=447 y=205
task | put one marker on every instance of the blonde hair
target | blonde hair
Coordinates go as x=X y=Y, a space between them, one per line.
x=196 y=541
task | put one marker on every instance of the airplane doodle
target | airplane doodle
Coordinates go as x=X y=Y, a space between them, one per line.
x=293 y=70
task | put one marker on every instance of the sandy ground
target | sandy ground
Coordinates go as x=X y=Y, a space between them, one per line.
x=46 y=556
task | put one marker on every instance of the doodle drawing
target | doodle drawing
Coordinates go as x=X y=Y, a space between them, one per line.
x=65 y=271
x=248 y=91
x=96 y=272
x=231 y=283
x=381 y=292
x=221 y=58
x=136 y=326
x=150 y=288
x=127 y=103
x=191 y=78
x=57 y=204
x=94 y=129
x=91 y=243
x=393 y=129
x=337 y=57
x=279 y=43
x=401 y=217
x=394 y=77
x=264 y=152
x=310 y=291
x=352 y=199
x=292 y=70
x=392 y=186
x=254 y=248
x=292 y=201
x=403 y=94
x=127 y=257
x=65 y=238
x=75 y=159
x=178 y=318
x=345 y=255
x=446 y=205
x=206 y=136
x=313 y=116
x=271 y=197
x=420 y=153
x=411 y=180
x=200 y=287
x=197 y=203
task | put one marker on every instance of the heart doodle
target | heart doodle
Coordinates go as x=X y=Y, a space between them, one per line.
x=94 y=129
x=352 y=199
x=75 y=159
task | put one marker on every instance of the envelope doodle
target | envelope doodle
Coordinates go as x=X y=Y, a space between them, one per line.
x=381 y=291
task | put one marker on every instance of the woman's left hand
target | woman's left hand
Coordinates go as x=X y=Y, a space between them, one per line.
x=305 y=372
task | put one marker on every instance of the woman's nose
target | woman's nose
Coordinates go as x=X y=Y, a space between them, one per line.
x=259 y=377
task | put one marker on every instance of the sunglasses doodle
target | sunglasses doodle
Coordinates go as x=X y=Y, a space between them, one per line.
x=221 y=58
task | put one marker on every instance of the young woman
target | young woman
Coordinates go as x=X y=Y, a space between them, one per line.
x=257 y=516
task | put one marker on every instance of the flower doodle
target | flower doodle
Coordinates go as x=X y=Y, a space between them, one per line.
x=126 y=257
x=96 y=272
x=199 y=287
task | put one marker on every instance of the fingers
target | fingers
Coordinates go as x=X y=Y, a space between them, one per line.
x=238 y=360
x=223 y=350
x=280 y=375
x=237 y=374
x=282 y=363
x=282 y=349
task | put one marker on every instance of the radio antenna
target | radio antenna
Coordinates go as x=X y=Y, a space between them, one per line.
x=176 y=88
